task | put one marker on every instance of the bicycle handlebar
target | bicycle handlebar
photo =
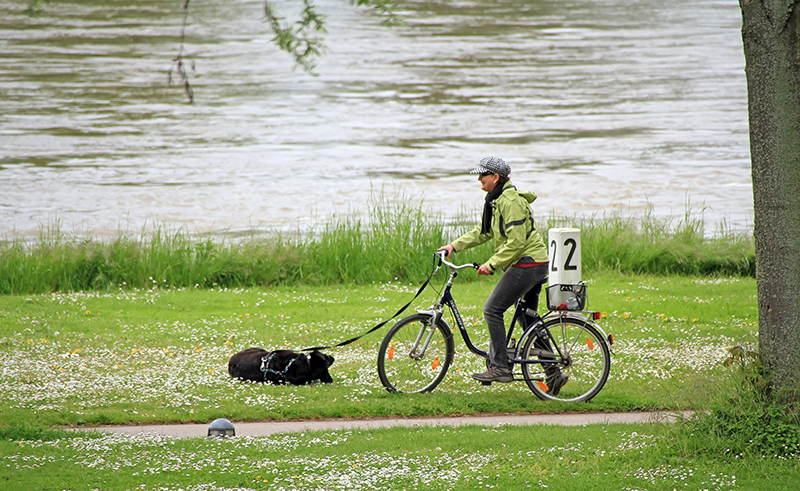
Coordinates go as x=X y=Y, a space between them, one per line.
x=442 y=254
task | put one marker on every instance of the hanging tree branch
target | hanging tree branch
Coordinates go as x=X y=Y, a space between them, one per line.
x=179 y=62
x=35 y=8
x=386 y=8
x=302 y=39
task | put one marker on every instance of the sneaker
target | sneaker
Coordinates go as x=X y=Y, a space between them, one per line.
x=494 y=374
x=555 y=381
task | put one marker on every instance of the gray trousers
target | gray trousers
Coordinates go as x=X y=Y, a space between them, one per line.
x=516 y=283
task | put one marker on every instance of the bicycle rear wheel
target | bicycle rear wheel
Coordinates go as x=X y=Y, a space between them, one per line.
x=580 y=352
x=415 y=354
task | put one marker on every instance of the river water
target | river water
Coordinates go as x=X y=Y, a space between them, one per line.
x=599 y=106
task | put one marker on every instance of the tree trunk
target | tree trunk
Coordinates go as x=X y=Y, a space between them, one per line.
x=771 y=36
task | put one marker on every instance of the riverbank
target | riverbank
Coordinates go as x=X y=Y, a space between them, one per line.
x=395 y=244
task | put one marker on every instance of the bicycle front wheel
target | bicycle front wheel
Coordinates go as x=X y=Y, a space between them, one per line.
x=415 y=354
x=577 y=350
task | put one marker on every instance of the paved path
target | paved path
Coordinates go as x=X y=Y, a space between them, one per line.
x=272 y=427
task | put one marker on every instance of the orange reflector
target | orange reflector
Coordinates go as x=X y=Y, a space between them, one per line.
x=435 y=363
x=589 y=343
x=611 y=339
x=391 y=353
x=543 y=386
x=596 y=315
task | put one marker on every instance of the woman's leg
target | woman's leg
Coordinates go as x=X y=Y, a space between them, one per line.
x=555 y=377
x=515 y=283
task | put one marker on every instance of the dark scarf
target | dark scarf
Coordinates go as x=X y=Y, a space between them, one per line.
x=486 y=221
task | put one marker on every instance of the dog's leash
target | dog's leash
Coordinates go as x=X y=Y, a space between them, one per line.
x=352 y=340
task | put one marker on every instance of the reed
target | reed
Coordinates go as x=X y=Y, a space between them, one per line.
x=395 y=242
x=647 y=244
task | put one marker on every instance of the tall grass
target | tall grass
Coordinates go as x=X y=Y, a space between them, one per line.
x=395 y=242
x=631 y=244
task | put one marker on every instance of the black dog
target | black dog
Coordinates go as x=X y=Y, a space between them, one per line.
x=281 y=366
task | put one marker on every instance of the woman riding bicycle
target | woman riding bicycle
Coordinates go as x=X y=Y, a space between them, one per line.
x=519 y=251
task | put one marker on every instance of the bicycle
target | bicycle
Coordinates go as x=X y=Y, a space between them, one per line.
x=418 y=350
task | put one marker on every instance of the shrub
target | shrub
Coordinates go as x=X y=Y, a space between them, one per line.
x=749 y=419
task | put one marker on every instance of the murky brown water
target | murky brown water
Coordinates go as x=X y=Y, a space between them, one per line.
x=597 y=106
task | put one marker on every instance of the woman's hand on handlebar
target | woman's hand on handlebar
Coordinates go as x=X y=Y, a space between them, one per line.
x=449 y=249
x=443 y=252
x=484 y=269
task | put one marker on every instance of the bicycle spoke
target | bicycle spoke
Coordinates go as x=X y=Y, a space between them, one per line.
x=586 y=364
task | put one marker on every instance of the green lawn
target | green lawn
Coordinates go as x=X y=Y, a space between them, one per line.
x=159 y=355
x=594 y=457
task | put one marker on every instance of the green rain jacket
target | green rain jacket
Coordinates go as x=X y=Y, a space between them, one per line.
x=513 y=230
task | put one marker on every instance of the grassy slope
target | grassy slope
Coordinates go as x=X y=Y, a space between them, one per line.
x=396 y=243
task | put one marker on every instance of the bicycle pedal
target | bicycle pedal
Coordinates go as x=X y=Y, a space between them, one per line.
x=486 y=383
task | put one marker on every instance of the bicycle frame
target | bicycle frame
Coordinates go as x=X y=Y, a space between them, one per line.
x=437 y=310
